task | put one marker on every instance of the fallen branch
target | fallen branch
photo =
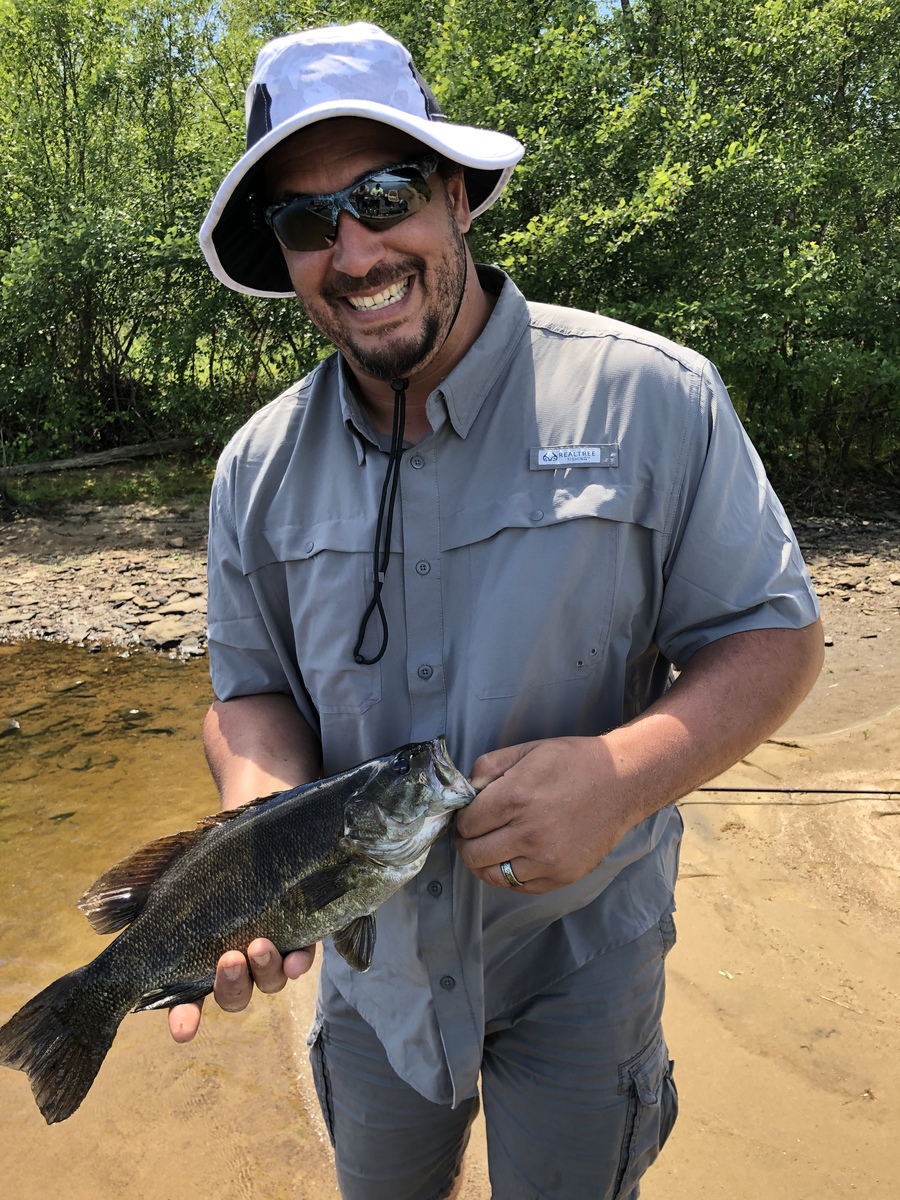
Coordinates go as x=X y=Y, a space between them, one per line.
x=103 y=457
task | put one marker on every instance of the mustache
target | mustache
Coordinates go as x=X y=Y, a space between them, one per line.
x=382 y=275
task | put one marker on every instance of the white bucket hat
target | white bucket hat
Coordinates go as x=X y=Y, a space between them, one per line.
x=338 y=71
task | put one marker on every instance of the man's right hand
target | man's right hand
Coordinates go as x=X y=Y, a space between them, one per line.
x=235 y=979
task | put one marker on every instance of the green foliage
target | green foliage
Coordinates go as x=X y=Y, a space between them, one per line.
x=726 y=174
x=119 y=120
x=182 y=480
x=722 y=172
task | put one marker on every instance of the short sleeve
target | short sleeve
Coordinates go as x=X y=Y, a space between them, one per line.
x=243 y=658
x=732 y=561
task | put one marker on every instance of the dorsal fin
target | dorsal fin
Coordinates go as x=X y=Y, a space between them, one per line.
x=115 y=899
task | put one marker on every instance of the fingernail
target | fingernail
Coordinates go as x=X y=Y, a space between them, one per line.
x=262 y=960
x=232 y=973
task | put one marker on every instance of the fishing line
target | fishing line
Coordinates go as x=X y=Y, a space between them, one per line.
x=847 y=795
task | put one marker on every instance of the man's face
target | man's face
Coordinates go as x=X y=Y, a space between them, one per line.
x=415 y=270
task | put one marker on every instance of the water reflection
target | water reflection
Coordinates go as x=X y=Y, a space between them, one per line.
x=98 y=754
x=81 y=785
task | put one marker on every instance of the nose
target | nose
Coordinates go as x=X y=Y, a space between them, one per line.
x=356 y=248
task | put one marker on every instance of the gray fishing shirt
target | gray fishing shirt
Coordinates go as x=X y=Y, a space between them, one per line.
x=586 y=513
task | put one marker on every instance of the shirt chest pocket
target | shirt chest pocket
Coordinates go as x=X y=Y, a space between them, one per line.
x=543 y=584
x=328 y=584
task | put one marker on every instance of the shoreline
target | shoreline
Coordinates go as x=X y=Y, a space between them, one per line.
x=784 y=984
x=132 y=575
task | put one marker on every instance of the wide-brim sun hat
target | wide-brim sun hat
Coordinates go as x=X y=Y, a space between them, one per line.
x=353 y=70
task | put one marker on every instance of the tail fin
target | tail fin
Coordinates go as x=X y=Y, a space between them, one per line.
x=59 y=1039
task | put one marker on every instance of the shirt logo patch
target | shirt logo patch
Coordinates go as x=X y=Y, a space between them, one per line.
x=551 y=458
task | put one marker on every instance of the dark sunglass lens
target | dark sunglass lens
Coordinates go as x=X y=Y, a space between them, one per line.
x=300 y=227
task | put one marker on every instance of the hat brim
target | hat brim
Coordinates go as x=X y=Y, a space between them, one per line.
x=243 y=252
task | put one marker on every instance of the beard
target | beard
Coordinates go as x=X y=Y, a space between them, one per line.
x=380 y=355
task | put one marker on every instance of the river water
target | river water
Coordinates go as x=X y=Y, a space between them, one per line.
x=100 y=753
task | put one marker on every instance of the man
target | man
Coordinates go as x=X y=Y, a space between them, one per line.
x=505 y=522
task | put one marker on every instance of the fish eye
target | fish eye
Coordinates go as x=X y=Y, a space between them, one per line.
x=400 y=766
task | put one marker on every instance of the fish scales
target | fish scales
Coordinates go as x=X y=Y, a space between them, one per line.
x=294 y=867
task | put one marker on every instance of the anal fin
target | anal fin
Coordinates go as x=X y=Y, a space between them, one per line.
x=180 y=991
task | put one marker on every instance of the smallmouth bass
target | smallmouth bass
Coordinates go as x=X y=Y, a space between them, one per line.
x=294 y=867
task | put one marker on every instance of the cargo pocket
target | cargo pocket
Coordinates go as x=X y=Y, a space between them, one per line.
x=647 y=1081
x=667 y=932
x=319 y=1067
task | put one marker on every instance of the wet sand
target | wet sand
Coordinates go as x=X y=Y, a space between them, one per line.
x=784 y=989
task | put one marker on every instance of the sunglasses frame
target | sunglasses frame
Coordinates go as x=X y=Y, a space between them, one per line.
x=340 y=201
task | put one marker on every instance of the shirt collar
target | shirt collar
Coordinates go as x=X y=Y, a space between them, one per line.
x=461 y=395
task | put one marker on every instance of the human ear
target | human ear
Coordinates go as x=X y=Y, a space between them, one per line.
x=458 y=201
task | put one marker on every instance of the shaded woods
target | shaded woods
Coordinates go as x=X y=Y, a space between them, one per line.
x=722 y=172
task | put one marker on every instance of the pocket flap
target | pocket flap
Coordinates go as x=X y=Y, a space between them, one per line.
x=549 y=505
x=293 y=543
x=646 y=1072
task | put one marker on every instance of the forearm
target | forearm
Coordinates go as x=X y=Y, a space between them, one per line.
x=256 y=745
x=729 y=698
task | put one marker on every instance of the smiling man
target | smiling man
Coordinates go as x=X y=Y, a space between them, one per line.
x=508 y=522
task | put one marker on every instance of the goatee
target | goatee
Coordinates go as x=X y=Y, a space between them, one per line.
x=386 y=357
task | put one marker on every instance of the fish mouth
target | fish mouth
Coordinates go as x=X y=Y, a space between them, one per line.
x=454 y=783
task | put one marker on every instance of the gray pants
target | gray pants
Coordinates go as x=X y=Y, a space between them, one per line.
x=576 y=1084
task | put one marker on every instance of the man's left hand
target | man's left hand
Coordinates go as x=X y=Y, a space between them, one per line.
x=552 y=809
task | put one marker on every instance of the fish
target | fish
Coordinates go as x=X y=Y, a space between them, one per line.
x=295 y=867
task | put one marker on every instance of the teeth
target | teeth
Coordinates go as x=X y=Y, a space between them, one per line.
x=381 y=299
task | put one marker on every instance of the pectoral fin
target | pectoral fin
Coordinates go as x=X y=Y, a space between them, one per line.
x=356 y=942
x=319 y=890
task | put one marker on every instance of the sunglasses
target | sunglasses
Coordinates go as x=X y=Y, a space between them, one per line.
x=380 y=200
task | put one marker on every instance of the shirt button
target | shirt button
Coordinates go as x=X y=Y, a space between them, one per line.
x=448 y=983
x=423 y=567
x=434 y=888
x=417 y=461
x=309 y=547
x=425 y=672
x=537 y=515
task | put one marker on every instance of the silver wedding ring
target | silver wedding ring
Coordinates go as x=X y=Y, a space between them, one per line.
x=509 y=874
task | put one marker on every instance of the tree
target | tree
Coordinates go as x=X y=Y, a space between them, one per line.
x=720 y=172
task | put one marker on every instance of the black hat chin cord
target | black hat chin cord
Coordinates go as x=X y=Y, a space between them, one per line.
x=382 y=551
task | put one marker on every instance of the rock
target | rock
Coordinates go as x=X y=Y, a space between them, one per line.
x=191 y=604
x=170 y=631
x=9 y=727
x=176 y=543
x=67 y=685
x=14 y=616
x=133 y=716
